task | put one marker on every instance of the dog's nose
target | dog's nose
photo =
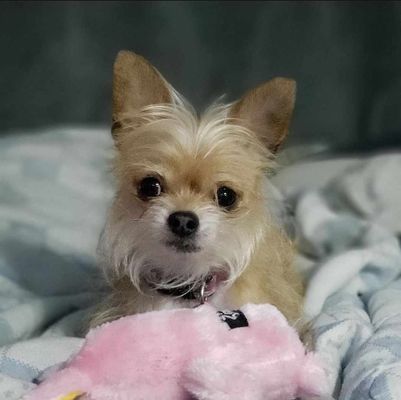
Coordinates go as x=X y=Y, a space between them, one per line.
x=183 y=223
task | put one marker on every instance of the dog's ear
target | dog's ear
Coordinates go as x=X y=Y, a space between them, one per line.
x=136 y=84
x=267 y=110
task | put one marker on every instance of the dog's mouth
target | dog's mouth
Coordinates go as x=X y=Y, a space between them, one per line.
x=183 y=246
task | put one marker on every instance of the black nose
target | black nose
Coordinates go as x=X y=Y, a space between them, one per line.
x=183 y=223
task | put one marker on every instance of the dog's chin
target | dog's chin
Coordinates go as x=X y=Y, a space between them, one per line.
x=183 y=246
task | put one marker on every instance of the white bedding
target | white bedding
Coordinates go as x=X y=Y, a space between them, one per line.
x=348 y=231
x=54 y=190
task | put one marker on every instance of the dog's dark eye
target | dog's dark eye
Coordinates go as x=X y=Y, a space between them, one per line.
x=149 y=187
x=226 y=197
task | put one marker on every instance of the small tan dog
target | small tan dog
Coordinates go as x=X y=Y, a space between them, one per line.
x=190 y=221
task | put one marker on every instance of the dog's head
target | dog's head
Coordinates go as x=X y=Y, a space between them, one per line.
x=191 y=192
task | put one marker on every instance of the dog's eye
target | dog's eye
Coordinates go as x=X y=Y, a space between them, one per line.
x=149 y=187
x=226 y=197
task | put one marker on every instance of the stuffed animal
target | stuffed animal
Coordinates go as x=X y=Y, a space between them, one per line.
x=183 y=354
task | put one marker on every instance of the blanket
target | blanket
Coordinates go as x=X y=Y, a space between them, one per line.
x=348 y=233
x=54 y=191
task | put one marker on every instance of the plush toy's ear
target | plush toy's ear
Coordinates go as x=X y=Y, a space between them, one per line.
x=267 y=110
x=136 y=84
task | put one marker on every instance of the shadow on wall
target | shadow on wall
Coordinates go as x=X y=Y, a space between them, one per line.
x=346 y=58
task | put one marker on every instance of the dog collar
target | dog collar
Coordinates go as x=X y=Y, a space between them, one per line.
x=201 y=291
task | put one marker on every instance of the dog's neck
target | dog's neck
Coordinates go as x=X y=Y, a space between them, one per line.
x=199 y=291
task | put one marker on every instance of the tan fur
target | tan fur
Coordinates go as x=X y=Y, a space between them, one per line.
x=136 y=84
x=267 y=109
x=271 y=278
x=158 y=134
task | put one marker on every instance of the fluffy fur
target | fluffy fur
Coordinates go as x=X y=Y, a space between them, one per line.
x=158 y=134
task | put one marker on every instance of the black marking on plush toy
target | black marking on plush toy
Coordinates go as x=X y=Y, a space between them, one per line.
x=233 y=318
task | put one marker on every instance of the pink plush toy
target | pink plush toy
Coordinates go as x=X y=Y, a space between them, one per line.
x=200 y=353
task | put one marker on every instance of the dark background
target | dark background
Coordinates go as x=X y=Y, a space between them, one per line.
x=56 y=61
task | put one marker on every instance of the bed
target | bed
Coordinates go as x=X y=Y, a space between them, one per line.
x=345 y=214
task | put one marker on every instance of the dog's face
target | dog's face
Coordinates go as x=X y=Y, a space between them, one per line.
x=191 y=195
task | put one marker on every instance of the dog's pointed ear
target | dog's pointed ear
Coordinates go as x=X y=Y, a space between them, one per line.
x=136 y=84
x=267 y=110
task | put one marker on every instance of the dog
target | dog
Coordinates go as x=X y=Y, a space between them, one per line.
x=190 y=221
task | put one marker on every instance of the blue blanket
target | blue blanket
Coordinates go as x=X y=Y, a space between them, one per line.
x=348 y=234
x=54 y=190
